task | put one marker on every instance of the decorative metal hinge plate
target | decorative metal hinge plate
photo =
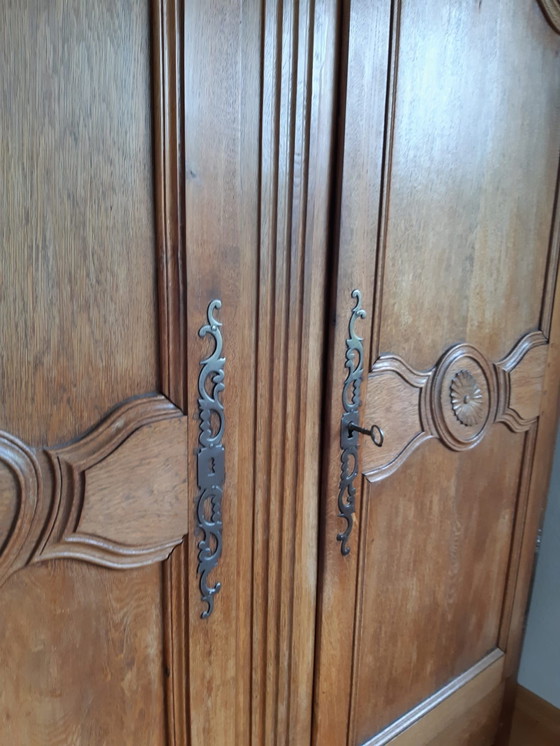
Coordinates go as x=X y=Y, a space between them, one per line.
x=210 y=460
x=348 y=435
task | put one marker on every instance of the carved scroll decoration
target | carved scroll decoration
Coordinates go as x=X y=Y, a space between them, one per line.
x=210 y=460
x=456 y=402
x=115 y=497
x=349 y=439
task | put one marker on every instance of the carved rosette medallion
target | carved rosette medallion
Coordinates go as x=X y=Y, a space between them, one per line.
x=457 y=401
x=467 y=400
x=462 y=397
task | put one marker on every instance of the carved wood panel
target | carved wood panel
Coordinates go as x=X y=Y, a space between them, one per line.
x=457 y=401
x=82 y=658
x=445 y=218
x=116 y=497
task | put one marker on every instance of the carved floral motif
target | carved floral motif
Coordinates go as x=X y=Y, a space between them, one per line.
x=457 y=401
x=467 y=400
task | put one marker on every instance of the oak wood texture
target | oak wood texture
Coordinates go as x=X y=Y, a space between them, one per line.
x=364 y=26
x=452 y=260
x=244 y=147
x=533 y=490
x=77 y=216
x=236 y=207
x=274 y=155
x=221 y=94
x=535 y=721
x=80 y=653
x=449 y=623
x=116 y=497
x=168 y=119
x=81 y=646
x=443 y=714
x=296 y=164
x=411 y=406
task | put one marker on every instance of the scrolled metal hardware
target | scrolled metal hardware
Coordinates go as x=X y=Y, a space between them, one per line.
x=350 y=423
x=375 y=433
x=210 y=459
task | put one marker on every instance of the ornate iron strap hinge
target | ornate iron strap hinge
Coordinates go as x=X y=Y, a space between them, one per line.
x=210 y=460
x=350 y=420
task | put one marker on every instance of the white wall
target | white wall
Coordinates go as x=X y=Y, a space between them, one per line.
x=540 y=660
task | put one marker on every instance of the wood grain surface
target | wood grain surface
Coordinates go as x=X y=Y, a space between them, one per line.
x=449 y=713
x=462 y=255
x=78 y=296
x=535 y=721
x=80 y=646
x=274 y=156
x=435 y=562
x=80 y=656
x=413 y=406
x=365 y=35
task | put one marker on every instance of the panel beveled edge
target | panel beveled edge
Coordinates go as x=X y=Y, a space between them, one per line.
x=20 y=461
x=469 y=688
x=438 y=397
x=399 y=375
x=65 y=536
x=57 y=478
x=551 y=9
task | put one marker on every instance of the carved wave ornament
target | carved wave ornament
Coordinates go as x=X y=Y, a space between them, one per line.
x=456 y=402
x=115 y=497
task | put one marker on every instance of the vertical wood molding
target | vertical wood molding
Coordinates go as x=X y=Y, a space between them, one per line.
x=362 y=123
x=221 y=105
x=296 y=132
x=552 y=265
x=384 y=202
x=167 y=55
x=168 y=40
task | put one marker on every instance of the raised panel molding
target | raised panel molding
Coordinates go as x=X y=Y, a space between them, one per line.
x=20 y=487
x=116 y=497
x=551 y=9
x=456 y=401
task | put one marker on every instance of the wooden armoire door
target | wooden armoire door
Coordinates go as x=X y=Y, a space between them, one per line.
x=165 y=174
x=447 y=312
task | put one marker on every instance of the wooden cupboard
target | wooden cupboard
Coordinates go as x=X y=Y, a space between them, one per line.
x=231 y=233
